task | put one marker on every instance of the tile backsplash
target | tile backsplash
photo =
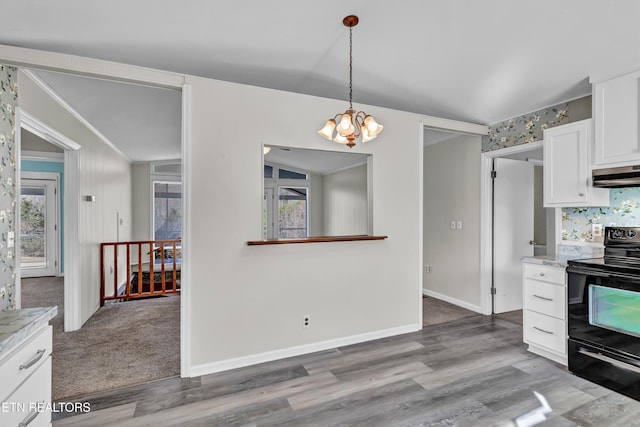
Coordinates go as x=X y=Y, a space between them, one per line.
x=624 y=210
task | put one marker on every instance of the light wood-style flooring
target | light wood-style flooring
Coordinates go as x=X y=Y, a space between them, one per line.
x=472 y=372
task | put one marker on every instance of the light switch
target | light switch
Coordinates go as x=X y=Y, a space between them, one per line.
x=11 y=239
x=459 y=225
x=453 y=225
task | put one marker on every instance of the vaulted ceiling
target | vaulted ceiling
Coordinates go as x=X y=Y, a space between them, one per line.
x=477 y=61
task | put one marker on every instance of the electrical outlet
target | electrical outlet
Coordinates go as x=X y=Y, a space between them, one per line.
x=427 y=269
x=596 y=230
x=306 y=321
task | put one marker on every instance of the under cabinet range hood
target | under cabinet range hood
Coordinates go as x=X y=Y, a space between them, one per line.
x=625 y=176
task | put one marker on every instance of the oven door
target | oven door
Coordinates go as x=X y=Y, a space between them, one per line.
x=604 y=310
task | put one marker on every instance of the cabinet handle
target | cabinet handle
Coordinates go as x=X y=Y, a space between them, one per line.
x=542 y=330
x=581 y=194
x=32 y=416
x=34 y=360
x=544 y=298
x=541 y=273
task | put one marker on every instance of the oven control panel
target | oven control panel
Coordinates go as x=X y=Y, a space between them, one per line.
x=626 y=235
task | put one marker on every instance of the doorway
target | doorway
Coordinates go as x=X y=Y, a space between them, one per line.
x=498 y=238
x=39 y=240
x=106 y=182
x=451 y=224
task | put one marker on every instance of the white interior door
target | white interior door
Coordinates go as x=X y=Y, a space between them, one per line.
x=513 y=230
x=38 y=227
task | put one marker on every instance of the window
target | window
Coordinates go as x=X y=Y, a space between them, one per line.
x=167 y=210
x=292 y=212
x=285 y=204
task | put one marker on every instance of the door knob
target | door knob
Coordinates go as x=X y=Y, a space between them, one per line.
x=531 y=242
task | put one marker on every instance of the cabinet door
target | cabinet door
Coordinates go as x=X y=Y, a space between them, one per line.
x=616 y=109
x=566 y=171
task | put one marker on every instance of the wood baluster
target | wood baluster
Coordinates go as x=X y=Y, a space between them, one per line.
x=152 y=262
x=128 y=289
x=102 y=278
x=139 y=268
x=163 y=280
x=174 y=274
x=115 y=270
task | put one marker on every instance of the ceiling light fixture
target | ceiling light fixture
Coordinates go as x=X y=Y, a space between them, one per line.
x=351 y=125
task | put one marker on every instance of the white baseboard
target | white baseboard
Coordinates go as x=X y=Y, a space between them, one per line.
x=239 y=362
x=453 y=301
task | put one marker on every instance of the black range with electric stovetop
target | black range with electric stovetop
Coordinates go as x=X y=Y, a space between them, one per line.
x=603 y=312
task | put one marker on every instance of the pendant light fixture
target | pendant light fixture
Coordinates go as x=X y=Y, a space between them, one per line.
x=349 y=126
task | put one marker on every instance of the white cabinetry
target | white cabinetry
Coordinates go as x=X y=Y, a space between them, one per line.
x=25 y=389
x=544 y=324
x=616 y=105
x=567 y=172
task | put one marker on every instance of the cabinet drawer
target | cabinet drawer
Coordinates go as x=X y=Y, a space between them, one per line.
x=24 y=360
x=545 y=298
x=545 y=273
x=35 y=393
x=545 y=331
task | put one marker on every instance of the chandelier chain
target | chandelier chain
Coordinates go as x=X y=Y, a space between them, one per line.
x=350 y=67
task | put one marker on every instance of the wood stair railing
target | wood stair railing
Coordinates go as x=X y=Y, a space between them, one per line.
x=139 y=269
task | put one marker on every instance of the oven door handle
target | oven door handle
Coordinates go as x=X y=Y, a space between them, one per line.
x=614 y=362
x=588 y=271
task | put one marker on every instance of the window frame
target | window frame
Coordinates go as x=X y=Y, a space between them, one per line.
x=274 y=185
x=163 y=180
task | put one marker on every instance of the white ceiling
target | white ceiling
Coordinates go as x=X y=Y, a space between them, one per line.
x=143 y=122
x=477 y=61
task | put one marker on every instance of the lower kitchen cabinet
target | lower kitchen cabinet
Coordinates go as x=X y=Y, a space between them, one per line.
x=545 y=310
x=25 y=388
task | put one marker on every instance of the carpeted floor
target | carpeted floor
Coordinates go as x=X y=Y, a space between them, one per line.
x=435 y=312
x=121 y=344
x=512 y=316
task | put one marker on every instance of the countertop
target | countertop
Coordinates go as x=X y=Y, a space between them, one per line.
x=17 y=325
x=565 y=253
x=554 y=261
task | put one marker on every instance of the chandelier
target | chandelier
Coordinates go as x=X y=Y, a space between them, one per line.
x=351 y=125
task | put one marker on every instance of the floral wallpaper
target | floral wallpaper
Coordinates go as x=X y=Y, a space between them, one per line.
x=624 y=210
x=8 y=103
x=524 y=129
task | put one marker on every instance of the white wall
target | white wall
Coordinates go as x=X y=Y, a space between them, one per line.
x=141 y=201
x=246 y=303
x=239 y=305
x=316 y=205
x=103 y=173
x=452 y=193
x=345 y=202
x=539 y=211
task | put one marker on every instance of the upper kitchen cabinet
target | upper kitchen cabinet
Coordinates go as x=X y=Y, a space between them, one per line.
x=616 y=109
x=567 y=175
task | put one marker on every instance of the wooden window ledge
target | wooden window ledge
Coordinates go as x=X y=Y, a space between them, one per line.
x=316 y=239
